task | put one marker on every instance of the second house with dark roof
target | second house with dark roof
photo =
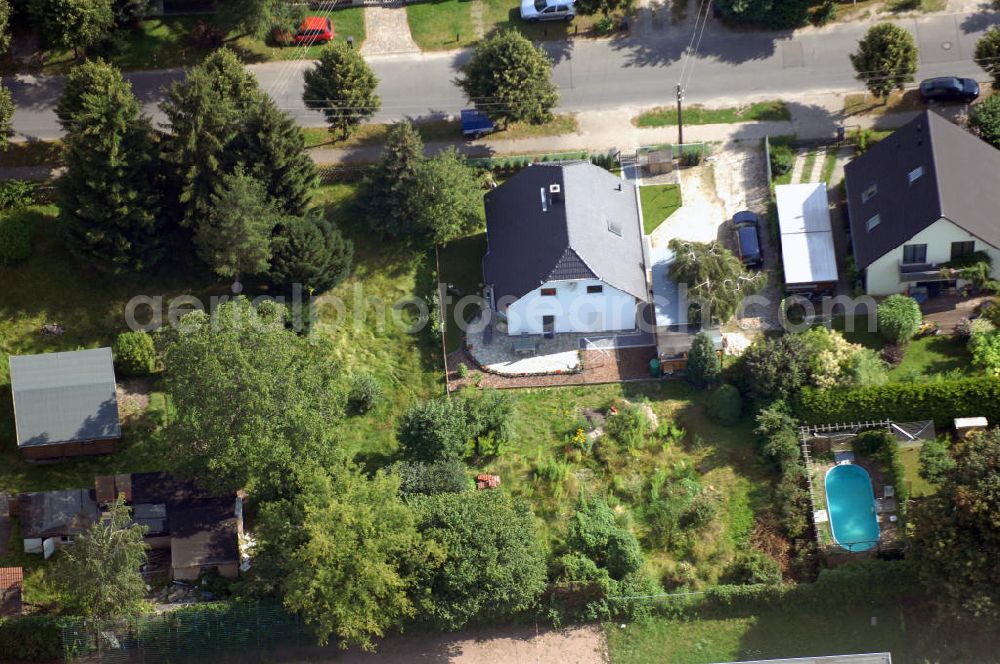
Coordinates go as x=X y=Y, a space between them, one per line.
x=566 y=251
x=922 y=197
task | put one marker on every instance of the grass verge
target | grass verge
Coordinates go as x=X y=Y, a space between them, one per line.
x=867 y=104
x=807 y=167
x=666 y=116
x=829 y=163
x=659 y=201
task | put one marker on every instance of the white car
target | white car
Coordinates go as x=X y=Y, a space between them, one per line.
x=547 y=10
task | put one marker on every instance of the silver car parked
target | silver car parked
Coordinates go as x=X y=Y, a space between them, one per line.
x=533 y=11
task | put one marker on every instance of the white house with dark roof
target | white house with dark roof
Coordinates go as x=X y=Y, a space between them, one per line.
x=566 y=251
x=925 y=195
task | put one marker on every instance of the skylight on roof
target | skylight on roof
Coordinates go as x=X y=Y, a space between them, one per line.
x=915 y=174
x=615 y=227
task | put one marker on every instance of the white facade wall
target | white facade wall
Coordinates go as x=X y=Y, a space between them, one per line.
x=575 y=309
x=882 y=276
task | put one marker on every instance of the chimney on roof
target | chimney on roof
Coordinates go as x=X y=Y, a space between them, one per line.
x=555 y=192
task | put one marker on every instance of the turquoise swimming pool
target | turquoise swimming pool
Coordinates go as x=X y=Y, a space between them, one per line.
x=850 y=503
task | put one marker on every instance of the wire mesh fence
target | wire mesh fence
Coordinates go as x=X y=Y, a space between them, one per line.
x=193 y=633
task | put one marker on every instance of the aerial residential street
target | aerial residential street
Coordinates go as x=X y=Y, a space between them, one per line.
x=639 y=70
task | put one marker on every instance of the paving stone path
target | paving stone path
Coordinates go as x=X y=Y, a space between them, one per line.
x=387 y=30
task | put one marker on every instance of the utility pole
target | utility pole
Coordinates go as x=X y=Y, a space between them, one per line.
x=680 y=119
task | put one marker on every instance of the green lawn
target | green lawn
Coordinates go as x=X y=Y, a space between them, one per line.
x=910 y=456
x=829 y=163
x=441 y=24
x=666 y=116
x=659 y=201
x=772 y=634
x=506 y=15
x=347 y=22
x=462 y=267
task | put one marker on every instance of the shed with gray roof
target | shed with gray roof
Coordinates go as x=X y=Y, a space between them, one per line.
x=65 y=403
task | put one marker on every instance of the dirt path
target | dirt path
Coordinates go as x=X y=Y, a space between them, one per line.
x=576 y=645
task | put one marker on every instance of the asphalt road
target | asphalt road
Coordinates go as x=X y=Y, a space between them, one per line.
x=641 y=69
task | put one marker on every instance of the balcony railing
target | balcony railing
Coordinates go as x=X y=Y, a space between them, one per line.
x=923 y=272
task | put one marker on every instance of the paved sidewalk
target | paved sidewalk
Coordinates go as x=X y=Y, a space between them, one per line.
x=387 y=31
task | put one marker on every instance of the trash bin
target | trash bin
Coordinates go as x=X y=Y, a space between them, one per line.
x=654 y=367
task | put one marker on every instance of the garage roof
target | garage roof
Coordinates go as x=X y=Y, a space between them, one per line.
x=807 y=248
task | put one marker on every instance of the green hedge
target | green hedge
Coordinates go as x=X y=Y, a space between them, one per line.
x=941 y=401
x=31 y=638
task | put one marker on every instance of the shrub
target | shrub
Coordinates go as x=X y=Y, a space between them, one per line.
x=17 y=232
x=207 y=36
x=966 y=328
x=867 y=369
x=772 y=369
x=627 y=426
x=280 y=35
x=825 y=13
x=416 y=477
x=898 y=318
x=433 y=430
x=985 y=120
x=365 y=394
x=604 y=26
x=463 y=370
x=892 y=354
x=782 y=159
x=985 y=350
x=752 y=567
x=135 y=353
x=776 y=435
x=724 y=405
x=31 y=638
x=16 y=194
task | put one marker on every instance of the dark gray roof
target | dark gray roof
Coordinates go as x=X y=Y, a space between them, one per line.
x=54 y=513
x=959 y=183
x=591 y=230
x=64 y=397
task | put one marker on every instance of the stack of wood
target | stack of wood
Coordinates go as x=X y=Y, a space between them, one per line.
x=484 y=481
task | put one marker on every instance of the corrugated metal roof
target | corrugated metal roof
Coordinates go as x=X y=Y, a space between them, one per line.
x=64 y=397
x=807 y=248
x=571 y=220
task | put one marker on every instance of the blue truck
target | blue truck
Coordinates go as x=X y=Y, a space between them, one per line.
x=475 y=124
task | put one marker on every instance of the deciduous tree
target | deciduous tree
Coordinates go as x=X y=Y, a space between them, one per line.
x=73 y=24
x=342 y=85
x=493 y=565
x=5 y=13
x=234 y=237
x=109 y=197
x=343 y=551
x=252 y=399
x=445 y=198
x=886 y=58
x=987 y=54
x=99 y=574
x=956 y=542
x=777 y=14
x=312 y=252
x=509 y=79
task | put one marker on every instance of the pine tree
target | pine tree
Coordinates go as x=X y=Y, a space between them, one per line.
x=386 y=191
x=273 y=150
x=310 y=251
x=342 y=85
x=84 y=78
x=703 y=365
x=207 y=111
x=234 y=237
x=108 y=197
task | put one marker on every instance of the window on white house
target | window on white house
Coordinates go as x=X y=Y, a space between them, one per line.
x=915 y=174
x=869 y=193
x=914 y=253
x=873 y=222
x=595 y=289
x=959 y=249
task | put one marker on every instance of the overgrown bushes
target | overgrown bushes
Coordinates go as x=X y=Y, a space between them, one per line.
x=778 y=444
x=135 y=354
x=31 y=638
x=941 y=401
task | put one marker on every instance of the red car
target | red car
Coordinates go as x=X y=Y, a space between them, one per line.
x=314 y=30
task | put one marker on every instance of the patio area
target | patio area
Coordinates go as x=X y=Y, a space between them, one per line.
x=948 y=308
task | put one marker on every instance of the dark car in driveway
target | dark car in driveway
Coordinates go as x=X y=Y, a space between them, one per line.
x=949 y=88
x=748 y=238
